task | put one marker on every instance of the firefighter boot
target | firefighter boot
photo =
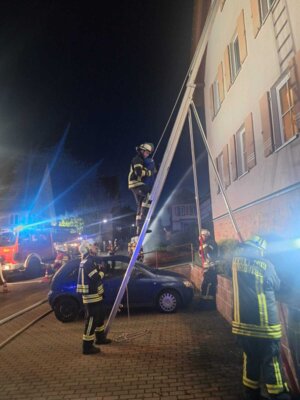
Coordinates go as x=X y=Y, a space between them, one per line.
x=281 y=396
x=251 y=394
x=89 y=348
x=101 y=338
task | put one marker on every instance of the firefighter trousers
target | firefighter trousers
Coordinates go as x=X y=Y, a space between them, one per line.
x=209 y=284
x=94 y=320
x=141 y=195
x=262 y=361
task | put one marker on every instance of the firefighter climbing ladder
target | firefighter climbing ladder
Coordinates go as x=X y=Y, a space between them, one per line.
x=187 y=104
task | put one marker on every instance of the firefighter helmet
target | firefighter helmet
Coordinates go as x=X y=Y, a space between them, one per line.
x=205 y=232
x=146 y=147
x=258 y=242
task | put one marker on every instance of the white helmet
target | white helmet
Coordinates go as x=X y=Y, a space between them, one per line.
x=147 y=147
x=205 y=232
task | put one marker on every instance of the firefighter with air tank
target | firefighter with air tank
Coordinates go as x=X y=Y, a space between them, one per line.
x=90 y=286
x=140 y=181
x=208 y=253
x=256 y=320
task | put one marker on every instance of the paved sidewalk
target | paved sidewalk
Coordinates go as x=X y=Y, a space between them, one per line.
x=188 y=355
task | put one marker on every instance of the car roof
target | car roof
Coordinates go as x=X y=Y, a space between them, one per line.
x=70 y=265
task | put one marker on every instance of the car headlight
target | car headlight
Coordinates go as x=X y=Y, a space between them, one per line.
x=187 y=284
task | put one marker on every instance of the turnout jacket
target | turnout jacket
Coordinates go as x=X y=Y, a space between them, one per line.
x=255 y=310
x=89 y=282
x=138 y=172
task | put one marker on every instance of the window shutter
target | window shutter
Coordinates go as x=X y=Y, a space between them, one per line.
x=266 y=123
x=242 y=36
x=233 y=157
x=226 y=166
x=295 y=85
x=227 y=69
x=221 y=82
x=211 y=103
x=250 y=147
x=255 y=16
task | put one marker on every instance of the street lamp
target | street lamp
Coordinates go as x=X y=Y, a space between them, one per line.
x=104 y=221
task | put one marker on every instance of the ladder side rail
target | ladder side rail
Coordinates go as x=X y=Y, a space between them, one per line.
x=197 y=197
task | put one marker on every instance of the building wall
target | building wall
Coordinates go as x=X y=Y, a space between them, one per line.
x=280 y=214
x=259 y=71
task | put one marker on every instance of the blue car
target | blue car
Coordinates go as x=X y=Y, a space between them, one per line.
x=147 y=287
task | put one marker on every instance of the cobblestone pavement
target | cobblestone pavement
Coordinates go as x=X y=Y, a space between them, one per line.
x=187 y=355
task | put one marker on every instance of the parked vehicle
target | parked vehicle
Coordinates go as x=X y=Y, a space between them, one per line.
x=24 y=250
x=147 y=287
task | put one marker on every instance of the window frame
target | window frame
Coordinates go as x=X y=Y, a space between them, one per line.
x=281 y=115
x=264 y=15
x=234 y=66
x=278 y=136
x=241 y=152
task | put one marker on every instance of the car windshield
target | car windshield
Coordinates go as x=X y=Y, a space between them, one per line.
x=7 y=238
x=144 y=267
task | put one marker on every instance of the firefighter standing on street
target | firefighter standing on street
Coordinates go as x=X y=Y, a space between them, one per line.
x=137 y=182
x=256 y=320
x=207 y=253
x=90 y=285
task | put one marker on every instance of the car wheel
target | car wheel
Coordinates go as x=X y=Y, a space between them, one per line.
x=34 y=268
x=66 y=309
x=168 y=301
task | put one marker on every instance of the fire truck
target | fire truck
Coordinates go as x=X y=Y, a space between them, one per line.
x=25 y=249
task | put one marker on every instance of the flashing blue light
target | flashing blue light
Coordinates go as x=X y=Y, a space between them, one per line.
x=296 y=243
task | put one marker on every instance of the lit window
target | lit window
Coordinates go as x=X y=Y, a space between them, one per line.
x=241 y=154
x=283 y=111
x=265 y=6
x=285 y=101
x=234 y=57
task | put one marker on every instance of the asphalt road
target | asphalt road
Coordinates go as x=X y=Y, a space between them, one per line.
x=22 y=295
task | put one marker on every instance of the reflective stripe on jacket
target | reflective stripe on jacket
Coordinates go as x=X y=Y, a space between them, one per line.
x=255 y=310
x=137 y=172
x=89 y=282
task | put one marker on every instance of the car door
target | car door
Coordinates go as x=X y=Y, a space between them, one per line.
x=142 y=288
x=114 y=273
x=141 y=285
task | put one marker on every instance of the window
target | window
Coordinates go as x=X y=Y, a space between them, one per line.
x=283 y=111
x=217 y=92
x=234 y=58
x=241 y=154
x=7 y=239
x=216 y=96
x=285 y=102
x=265 y=7
x=220 y=168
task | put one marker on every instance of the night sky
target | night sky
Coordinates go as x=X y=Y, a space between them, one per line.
x=112 y=70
